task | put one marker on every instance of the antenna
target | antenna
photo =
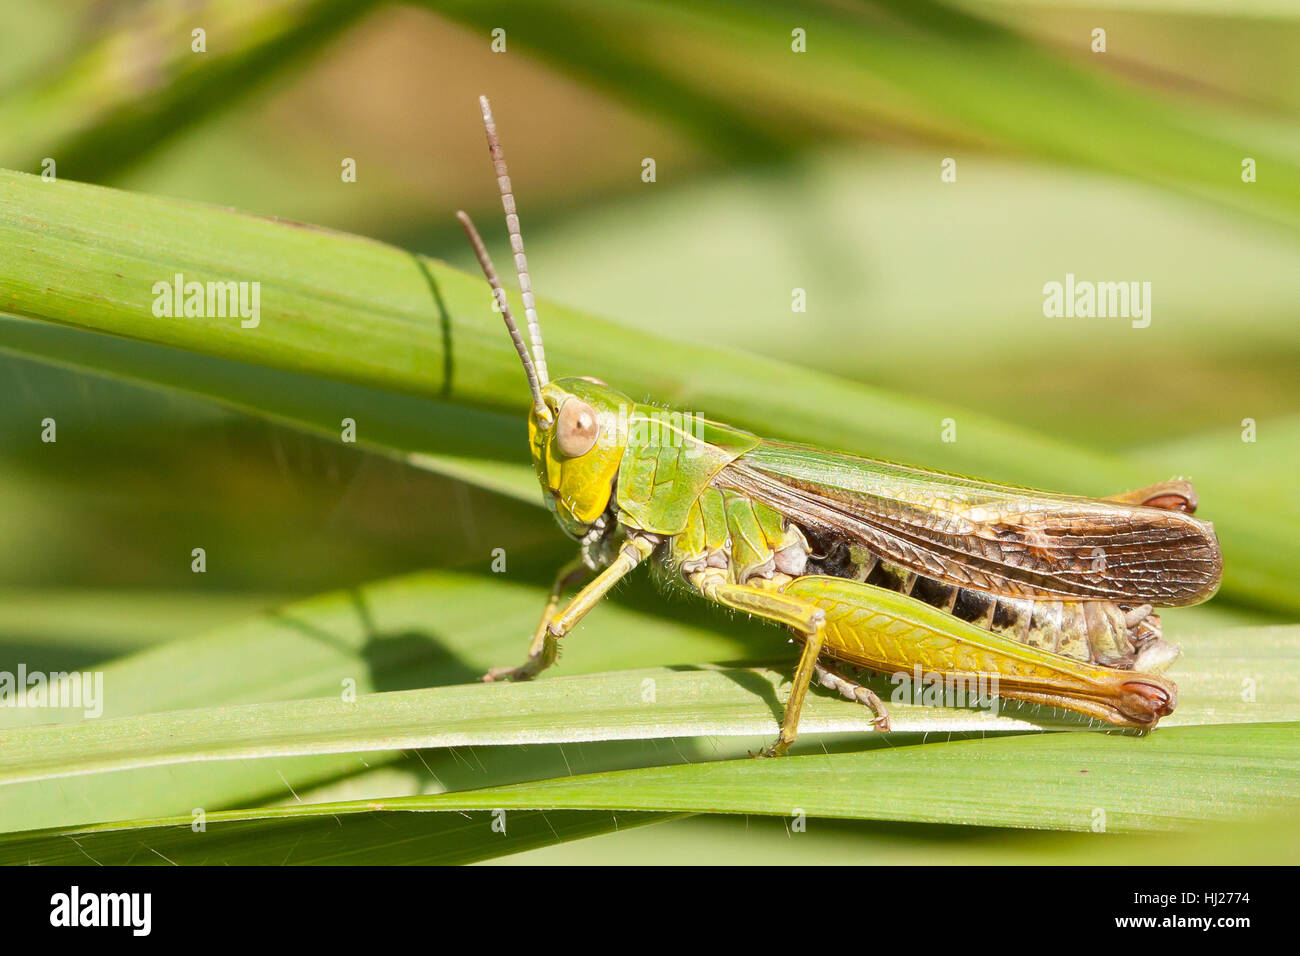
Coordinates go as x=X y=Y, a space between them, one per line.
x=489 y=270
x=516 y=240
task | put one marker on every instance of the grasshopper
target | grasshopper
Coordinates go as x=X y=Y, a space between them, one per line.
x=870 y=564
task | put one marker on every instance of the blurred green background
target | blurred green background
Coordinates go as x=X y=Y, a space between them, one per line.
x=775 y=171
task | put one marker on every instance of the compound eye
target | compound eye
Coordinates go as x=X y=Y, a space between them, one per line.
x=576 y=429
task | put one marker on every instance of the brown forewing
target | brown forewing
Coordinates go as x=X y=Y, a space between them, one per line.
x=996 y=538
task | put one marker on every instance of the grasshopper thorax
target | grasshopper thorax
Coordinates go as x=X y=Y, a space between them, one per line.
x=577 y=453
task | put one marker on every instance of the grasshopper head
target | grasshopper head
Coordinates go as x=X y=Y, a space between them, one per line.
x=577 y=448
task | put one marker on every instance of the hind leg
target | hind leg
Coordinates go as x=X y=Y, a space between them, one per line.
x=1176 y=494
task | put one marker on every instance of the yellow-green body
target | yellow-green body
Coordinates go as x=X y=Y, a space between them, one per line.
x=662 y=480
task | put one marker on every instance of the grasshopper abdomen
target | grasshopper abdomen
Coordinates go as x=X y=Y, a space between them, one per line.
x=1099 y=632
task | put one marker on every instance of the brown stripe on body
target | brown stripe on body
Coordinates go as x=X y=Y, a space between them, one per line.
x=975 y=607
x=1093 y=631
x=1011 y=617
x=892 y=577
x=935 y=593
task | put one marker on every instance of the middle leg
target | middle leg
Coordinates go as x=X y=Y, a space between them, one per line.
x=832 y=679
